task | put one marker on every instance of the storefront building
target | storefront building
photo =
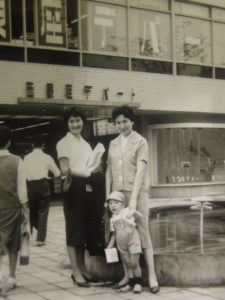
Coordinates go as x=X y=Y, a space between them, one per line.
x=165 y=58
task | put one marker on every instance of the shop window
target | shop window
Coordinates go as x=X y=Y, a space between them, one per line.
x=151 y=4
x=219 y=43
x=51 y=21
x=17 y=22
x=144 y=65
x=191 y=9
x=150 y=34
x=188 y=155
x=103 y=28
x=123 y=2
x=220 y=73
x=192 y=40
x=52 y=57
x=30 y=20
x=4 y=21
x=105 y=62
x=72 y=24
x=218 y=14
x=194 y=70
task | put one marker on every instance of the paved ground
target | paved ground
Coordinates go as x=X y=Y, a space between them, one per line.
x=48 y=277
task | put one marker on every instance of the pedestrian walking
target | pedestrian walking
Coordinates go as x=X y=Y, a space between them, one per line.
x=13 y=207
x=38 y=164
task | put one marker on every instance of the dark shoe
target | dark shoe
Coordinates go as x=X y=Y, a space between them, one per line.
x=154 y=289
x=118 y=286
x=80 y=284
x=87 y=277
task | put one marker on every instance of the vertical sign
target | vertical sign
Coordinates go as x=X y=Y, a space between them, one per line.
x=51 y=23
x=4 y=21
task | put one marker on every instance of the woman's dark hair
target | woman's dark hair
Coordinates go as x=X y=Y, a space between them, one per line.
x=5 y=135
x=124 y=110
x=73 y=112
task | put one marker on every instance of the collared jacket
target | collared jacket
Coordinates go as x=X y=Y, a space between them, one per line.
x=122 y=165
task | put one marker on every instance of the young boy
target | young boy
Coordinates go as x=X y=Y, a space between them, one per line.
x=127 y=238
x=13 y=202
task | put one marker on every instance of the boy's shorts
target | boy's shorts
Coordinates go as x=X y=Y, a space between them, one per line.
x=129 y=243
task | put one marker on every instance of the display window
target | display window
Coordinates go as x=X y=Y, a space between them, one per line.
x=104 y=28
x=192 y=40
x=219 y=43
x=150 y=34
x=182 y=155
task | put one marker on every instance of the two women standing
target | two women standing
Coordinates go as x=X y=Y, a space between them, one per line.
x=126 y=172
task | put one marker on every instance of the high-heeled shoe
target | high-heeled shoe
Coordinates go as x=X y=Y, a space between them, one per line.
x=154 y=289
x=78 y=283
x=118 y=286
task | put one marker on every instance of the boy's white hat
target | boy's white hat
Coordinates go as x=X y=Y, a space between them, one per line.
x=116 y=195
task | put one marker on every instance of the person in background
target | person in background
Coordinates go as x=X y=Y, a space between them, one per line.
x=127 y=239
x=13 y=206
x=127 y=172
x=37 y=165
x=73 y=154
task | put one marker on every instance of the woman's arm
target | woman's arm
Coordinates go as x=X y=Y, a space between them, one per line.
x=138 y=182
x=65 y=169
x=64 y=165
x=108 y=180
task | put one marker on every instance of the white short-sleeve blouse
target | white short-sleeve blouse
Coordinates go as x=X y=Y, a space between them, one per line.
x=77 y=150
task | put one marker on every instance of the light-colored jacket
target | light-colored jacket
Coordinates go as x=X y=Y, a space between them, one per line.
x=123 y=164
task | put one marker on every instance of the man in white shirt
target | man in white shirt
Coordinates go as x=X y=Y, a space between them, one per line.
x=38 y=164
x=13 y=206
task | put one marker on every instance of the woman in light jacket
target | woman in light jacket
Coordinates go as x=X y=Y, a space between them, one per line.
x=127 y=172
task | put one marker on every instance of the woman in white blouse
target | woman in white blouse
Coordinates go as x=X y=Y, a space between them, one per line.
x=73 y=154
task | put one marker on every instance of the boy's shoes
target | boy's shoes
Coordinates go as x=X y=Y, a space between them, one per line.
x=137 y=288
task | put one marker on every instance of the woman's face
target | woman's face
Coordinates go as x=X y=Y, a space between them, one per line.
x=75 y=125
x=124 y=125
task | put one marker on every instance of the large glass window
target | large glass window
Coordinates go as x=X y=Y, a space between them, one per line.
x=218 y=14
x=150 y=34
x=219 y=43
x=193 y=40
x=191 y=10
x=104 y=28
x=153 y=4
x=188 y=155
x=72 y=24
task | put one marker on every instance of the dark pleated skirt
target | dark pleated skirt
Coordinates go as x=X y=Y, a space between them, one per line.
x=74 y=205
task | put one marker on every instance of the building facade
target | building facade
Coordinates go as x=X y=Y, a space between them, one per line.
x=166 y=58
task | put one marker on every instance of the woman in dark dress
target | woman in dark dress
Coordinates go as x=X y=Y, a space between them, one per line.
x=73 y=154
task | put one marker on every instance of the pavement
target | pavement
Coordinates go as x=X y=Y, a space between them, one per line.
x=48 y=275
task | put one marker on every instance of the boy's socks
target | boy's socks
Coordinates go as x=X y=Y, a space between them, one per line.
x=137 y=280
x=137 y=287
x=131 y=282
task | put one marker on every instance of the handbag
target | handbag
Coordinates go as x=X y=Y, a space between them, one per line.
x=24 y=245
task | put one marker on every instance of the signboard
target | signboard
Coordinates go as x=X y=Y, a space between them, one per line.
x=51 y=23
x=4 y=21
x=104 y=127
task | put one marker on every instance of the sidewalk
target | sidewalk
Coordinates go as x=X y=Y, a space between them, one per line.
x=48 y=277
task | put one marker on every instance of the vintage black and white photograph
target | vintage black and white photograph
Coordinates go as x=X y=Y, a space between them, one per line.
x=112 y=149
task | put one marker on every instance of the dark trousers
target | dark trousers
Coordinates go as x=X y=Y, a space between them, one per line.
x=39 y=200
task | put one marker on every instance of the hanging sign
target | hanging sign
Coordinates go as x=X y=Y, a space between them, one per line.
x=4 y=21
x=51 y=23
